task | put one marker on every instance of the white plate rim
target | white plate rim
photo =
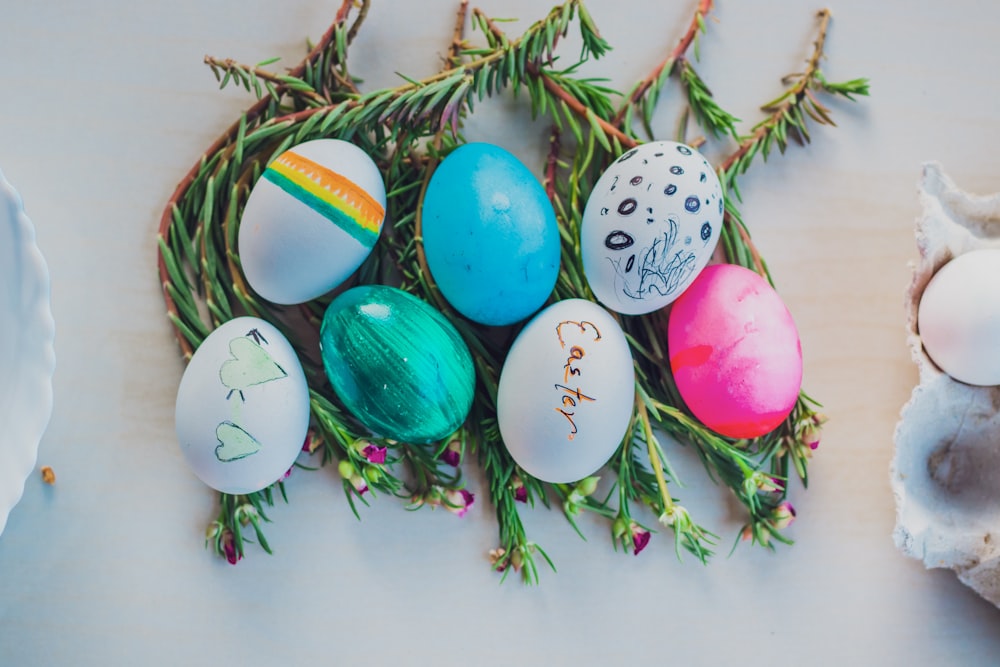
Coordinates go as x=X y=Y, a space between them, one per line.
x=31 y=403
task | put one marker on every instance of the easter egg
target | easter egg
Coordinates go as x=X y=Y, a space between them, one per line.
x=959 y=317
x=311 y=220
x=566 y=391
x=650 y=226
x=399 y=366
x=242 y=408
x=490 y=235
x=734 y=352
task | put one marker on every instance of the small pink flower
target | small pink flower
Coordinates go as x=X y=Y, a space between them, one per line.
x=347 y=470
x=640 y=538
x=520 y=491
x=810 y=437
x=288 y=473
x=452 y=454
x=458 y=501
x=312 y=443
x=374 y=454
x=783 y=515
x=229 y=549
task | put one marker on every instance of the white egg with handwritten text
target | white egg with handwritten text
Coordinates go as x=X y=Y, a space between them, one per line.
x=566 y=392
x=650 y=226
x=242 y=407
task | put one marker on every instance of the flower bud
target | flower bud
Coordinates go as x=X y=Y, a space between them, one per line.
x=346 y=469
x=640 y=538
x=586 y=486
x=783 y=515
x=452 y=454
x=212 y=531
x=374 y=454
x=458 y=501
x=619 y=527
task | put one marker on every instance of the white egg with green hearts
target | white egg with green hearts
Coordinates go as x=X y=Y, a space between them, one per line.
x=242 y=408
x=650 y=226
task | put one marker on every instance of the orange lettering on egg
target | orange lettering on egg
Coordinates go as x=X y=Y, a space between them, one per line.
x=569 y=397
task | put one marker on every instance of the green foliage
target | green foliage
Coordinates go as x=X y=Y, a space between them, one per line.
x=407 y=129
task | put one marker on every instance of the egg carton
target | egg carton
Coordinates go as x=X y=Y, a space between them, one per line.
x=945 y=473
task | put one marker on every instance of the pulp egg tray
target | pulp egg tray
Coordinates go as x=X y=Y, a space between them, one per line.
x=945 y=474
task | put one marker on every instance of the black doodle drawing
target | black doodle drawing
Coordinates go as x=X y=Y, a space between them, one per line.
x=676 y=170
x=683 y=150
x=618 y=240
x=628 y=207
x=706 y=232
x=692 y=204
x=628 y=155
x=654 y=271
x=670 y=190
x=636 y=180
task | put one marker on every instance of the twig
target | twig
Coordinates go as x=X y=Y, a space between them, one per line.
x=575 y=105
x=697 y=21
x=227 y=137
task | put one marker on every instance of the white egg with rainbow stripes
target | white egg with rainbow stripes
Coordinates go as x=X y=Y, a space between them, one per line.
x=312 y=218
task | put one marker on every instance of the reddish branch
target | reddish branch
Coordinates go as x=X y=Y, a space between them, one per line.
x=794 y=97
x=766 y=127
x=227 y=137
x=575 y=105
x=704 y=7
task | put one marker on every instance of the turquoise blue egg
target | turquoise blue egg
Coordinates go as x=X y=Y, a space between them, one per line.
x=397 y=364
x=490 y=235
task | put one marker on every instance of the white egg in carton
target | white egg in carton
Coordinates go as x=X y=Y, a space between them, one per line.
x=945 y=473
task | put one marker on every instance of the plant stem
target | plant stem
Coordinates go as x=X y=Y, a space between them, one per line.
x=227 y=137
x=654 y=457
x=791 y=98
x=575 y=105
x=697 y=21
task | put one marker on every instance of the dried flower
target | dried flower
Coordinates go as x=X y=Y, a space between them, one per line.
x=48 y=475
x=498 y=559
x=374 y=454
x=452 y=454
x=458 y=501
x=640 y=538
x=347 y=470
x=783 y=515
x=520 y=490
x=246 y=513
x=229 y=548
x=312 y=443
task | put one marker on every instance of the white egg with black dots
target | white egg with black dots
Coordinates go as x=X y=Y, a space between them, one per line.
x=650 y=226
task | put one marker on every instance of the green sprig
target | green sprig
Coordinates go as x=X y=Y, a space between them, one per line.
x=408 y=129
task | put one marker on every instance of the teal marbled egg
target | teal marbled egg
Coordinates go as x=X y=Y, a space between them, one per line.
x=397 y=364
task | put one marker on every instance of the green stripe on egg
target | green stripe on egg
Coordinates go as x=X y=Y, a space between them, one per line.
x=398 y=365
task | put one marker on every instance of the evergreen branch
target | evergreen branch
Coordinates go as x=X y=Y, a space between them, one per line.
x=788 y=113
x=407 y=129
x=251 y=77
x=645 y=93
x=706 y=110
x=552 y=85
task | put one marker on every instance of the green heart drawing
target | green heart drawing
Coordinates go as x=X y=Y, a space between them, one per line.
x=234 y=443
x=249 y=365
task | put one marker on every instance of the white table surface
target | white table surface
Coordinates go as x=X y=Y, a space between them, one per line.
x=106 y=104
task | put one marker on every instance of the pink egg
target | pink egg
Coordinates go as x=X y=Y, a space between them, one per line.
x=735 y=352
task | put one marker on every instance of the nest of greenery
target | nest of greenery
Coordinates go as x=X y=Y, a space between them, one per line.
x=407 y=129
